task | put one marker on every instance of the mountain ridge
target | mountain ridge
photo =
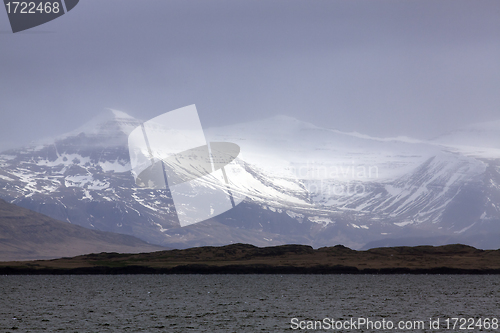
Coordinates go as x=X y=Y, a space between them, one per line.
x=27 y=235
x=303 y=184
x=284 y=259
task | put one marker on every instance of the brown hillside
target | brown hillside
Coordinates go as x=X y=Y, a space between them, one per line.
x=27 y=235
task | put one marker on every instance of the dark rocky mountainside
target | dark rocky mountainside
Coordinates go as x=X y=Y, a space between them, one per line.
x=27 y=235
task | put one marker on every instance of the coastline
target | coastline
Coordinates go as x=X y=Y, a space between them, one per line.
x=285 y=259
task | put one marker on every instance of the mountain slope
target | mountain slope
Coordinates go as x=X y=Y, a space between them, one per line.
x=26 y=235
x=302 y=183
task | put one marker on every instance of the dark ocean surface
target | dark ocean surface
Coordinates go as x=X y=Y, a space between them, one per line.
x=248 y=303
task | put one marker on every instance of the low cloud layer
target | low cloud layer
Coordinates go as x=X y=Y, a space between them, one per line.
x=384 y=68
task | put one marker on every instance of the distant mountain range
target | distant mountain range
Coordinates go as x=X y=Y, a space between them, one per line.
x=26 y=235
x=303 y=184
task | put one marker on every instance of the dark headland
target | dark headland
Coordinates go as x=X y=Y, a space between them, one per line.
x=285 y=259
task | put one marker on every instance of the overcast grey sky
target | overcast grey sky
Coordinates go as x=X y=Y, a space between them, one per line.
x=380 y=67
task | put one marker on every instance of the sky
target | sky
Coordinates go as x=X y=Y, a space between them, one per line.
x=380 y=67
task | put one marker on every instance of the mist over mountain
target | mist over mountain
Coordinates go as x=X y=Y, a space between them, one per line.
x=479 y=140
x=303 y=184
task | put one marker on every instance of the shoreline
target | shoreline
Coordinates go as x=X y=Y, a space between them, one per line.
x=284 y=259
x=236 y=270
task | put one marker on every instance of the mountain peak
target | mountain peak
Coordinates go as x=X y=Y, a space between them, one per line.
x=110 y=123
x=281 y=122
x=117 y=114
x=282 y=117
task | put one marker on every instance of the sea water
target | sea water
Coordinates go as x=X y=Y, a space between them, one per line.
x=249 y=303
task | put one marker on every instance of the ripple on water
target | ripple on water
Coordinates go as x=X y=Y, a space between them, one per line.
x=234 y=303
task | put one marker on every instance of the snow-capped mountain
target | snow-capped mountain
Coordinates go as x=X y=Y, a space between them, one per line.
x=303 y=184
